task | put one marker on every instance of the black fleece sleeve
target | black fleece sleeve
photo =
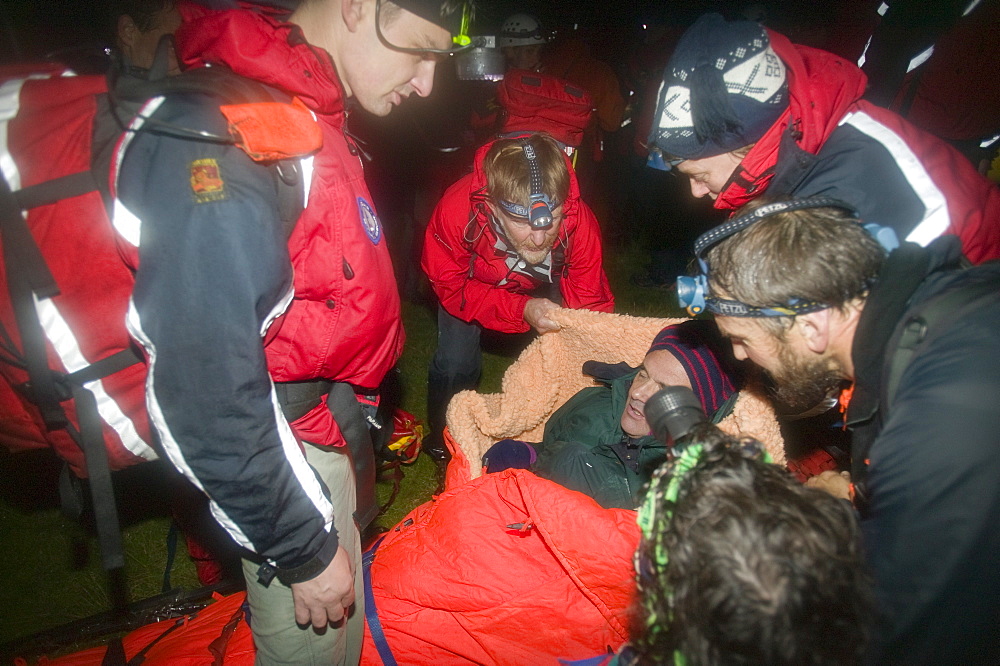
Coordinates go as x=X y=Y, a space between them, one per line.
x=213 y=273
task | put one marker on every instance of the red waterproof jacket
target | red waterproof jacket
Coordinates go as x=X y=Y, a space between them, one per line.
x=470 y=276
x=225 y=304
x=506 y=569
x=832 y=142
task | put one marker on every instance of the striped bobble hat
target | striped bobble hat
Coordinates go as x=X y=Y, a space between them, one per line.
x=701 y=350
x=722 y=90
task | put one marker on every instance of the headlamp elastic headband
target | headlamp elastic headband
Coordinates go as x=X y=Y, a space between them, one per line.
x=727 y=229
x=462 y=41
x=517 y=210
x=730 y=308
x=539 y=205
x=692 y=292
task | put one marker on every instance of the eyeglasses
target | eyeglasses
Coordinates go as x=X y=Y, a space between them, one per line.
x=462 y=41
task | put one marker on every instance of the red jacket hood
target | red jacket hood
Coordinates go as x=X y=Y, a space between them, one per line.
x=822 y=89
x=244 y=41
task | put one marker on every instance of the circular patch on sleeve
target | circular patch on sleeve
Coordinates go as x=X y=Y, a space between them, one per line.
x=369 y=220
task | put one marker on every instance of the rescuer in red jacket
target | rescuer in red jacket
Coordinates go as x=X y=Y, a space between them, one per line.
x=265 y=342
x=743 y=112
x=506 y=245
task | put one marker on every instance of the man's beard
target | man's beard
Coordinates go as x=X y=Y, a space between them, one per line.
x=803 y=384
x=534 y=254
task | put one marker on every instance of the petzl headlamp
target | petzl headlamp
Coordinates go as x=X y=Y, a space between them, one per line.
x=692 y=292
x=455 y=16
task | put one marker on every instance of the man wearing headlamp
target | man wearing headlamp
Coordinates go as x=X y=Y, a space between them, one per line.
x=266 y=344
x=742 y=111
x=505 y=246
x=810 y=295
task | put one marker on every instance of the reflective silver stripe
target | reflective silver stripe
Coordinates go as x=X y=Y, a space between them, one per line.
x=279 y=309
x=10 y=104
x=920 y=59
x=936 y=219
x=58 y=332
x=307 y=176
x=289 y=444
x=65 y=343
x=126 y=223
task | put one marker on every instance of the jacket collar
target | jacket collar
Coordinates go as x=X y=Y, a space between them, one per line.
x=822 y=87
x=262 y=48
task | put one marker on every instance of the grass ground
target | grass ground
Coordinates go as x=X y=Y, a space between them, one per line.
x=52 y=565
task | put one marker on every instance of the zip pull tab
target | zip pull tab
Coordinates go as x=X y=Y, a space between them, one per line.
x=348 y=271
x=521 y=529
x=356 y=146
x=472 y=270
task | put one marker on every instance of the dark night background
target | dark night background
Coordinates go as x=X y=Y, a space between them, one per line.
x=32 y=28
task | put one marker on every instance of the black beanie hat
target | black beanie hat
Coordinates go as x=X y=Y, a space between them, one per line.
x=444 y=13
x=722 y=89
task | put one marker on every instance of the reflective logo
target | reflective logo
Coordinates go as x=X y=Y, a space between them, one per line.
x=369 y=221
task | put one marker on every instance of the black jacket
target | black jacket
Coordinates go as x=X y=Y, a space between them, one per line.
x=929 y=466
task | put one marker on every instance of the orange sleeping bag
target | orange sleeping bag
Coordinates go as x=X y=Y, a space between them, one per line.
x=506 y=569
x=216 y=634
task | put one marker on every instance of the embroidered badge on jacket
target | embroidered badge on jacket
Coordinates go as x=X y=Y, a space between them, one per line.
x=369 y=221
x=206 y=181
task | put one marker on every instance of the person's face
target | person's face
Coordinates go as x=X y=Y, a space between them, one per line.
x=532 y=245
x=379 y=77
x=709 y=175
x=523 y=57
x=660 y=368
x=802 y=377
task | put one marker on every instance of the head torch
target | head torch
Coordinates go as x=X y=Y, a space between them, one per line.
x=460 y=39
x=692 y=292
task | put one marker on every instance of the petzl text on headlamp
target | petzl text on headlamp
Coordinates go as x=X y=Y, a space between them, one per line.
x=692 y=292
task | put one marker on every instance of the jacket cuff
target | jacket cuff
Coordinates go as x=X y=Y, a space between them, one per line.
x=306 y=571
x=520 y=302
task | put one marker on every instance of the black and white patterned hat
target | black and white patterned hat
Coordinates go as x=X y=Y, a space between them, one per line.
x=722 y=89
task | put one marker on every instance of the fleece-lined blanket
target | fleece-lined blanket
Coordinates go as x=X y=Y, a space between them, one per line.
x=550 y=371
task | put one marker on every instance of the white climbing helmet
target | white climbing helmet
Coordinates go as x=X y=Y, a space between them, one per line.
x=521 y=30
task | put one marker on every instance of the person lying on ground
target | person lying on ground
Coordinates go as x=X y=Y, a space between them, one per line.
x=599 y=443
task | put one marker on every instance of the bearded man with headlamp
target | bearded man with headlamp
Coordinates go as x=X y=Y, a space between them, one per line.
x=506 y=245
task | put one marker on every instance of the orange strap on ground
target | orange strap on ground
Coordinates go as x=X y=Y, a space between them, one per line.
x=270 y=131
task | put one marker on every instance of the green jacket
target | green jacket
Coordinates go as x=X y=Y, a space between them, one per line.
x=584 y=447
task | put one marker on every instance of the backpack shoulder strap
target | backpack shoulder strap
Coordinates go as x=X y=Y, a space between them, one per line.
x=918 y=328
x=127 y=94
x=927 y=322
